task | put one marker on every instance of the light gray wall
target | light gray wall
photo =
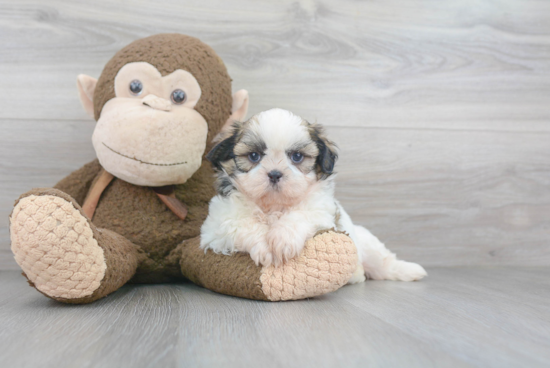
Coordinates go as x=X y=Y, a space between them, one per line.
x=441 y=109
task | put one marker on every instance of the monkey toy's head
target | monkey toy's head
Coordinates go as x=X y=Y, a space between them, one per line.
x=158 y=103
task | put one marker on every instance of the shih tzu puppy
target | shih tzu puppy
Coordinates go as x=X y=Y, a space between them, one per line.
x=276 y=190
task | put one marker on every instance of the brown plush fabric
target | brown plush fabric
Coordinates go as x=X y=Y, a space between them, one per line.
x=139 y=215
x=77 y=183
x=169 y=52
x=235 y=275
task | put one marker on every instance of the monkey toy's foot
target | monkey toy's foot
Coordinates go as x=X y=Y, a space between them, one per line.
x=326 y=263
x=60 y=251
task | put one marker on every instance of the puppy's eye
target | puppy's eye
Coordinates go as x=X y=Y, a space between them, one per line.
x=178 y=96
x=136 y=87
x=296 y=157
x=254 y=157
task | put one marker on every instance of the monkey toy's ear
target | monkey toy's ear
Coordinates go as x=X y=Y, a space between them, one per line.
x=239 y=108
x=86 y=87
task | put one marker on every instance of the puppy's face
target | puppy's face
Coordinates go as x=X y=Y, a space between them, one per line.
x=276 y=158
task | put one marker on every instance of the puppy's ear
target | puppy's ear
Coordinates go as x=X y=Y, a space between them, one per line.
x=327 y=152
x=327 y=157
x=222 y=151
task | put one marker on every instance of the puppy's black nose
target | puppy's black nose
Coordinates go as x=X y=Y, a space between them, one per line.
x=274 y=176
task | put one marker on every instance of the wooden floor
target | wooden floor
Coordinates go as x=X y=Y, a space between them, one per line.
x=457 y=317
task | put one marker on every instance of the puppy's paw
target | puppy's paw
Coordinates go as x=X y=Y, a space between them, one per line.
x=406 y=271
x=358 y=276
x=284 y=243
x=261 y=254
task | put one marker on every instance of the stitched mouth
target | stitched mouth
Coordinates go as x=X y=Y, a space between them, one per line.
x=144 y=162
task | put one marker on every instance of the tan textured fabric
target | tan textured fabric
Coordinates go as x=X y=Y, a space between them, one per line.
x=326 y=264
x=120 y=256
x=54 y=245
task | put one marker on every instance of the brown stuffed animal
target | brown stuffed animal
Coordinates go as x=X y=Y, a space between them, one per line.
x=135 y=213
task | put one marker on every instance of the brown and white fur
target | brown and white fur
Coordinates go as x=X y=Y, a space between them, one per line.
x=276 y=190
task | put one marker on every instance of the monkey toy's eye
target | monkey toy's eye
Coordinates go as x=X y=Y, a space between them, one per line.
x=178 y=96
x=296 y=157
x=254 y=157
x=136 y=87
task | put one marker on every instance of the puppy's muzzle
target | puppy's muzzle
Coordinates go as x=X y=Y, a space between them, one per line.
x=275 y=176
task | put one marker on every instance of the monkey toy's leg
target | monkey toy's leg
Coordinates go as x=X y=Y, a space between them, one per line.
x=63 y=254
x=326 y=263
x=68 y=259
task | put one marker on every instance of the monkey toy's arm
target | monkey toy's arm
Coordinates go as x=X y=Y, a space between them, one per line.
x=325 y=264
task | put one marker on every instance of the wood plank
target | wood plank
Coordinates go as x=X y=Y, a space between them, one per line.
x=486 y=317
x=482 y=317
x=184 y=325
x=419 y=64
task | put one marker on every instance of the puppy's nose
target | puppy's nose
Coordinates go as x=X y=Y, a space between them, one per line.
x=274 y=176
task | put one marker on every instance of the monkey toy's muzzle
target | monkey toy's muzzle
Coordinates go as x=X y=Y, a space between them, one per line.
x=148 y=142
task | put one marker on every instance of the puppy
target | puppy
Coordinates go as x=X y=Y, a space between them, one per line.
x=276 y=190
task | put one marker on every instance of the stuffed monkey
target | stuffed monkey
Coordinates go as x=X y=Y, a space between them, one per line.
x=134 y=214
